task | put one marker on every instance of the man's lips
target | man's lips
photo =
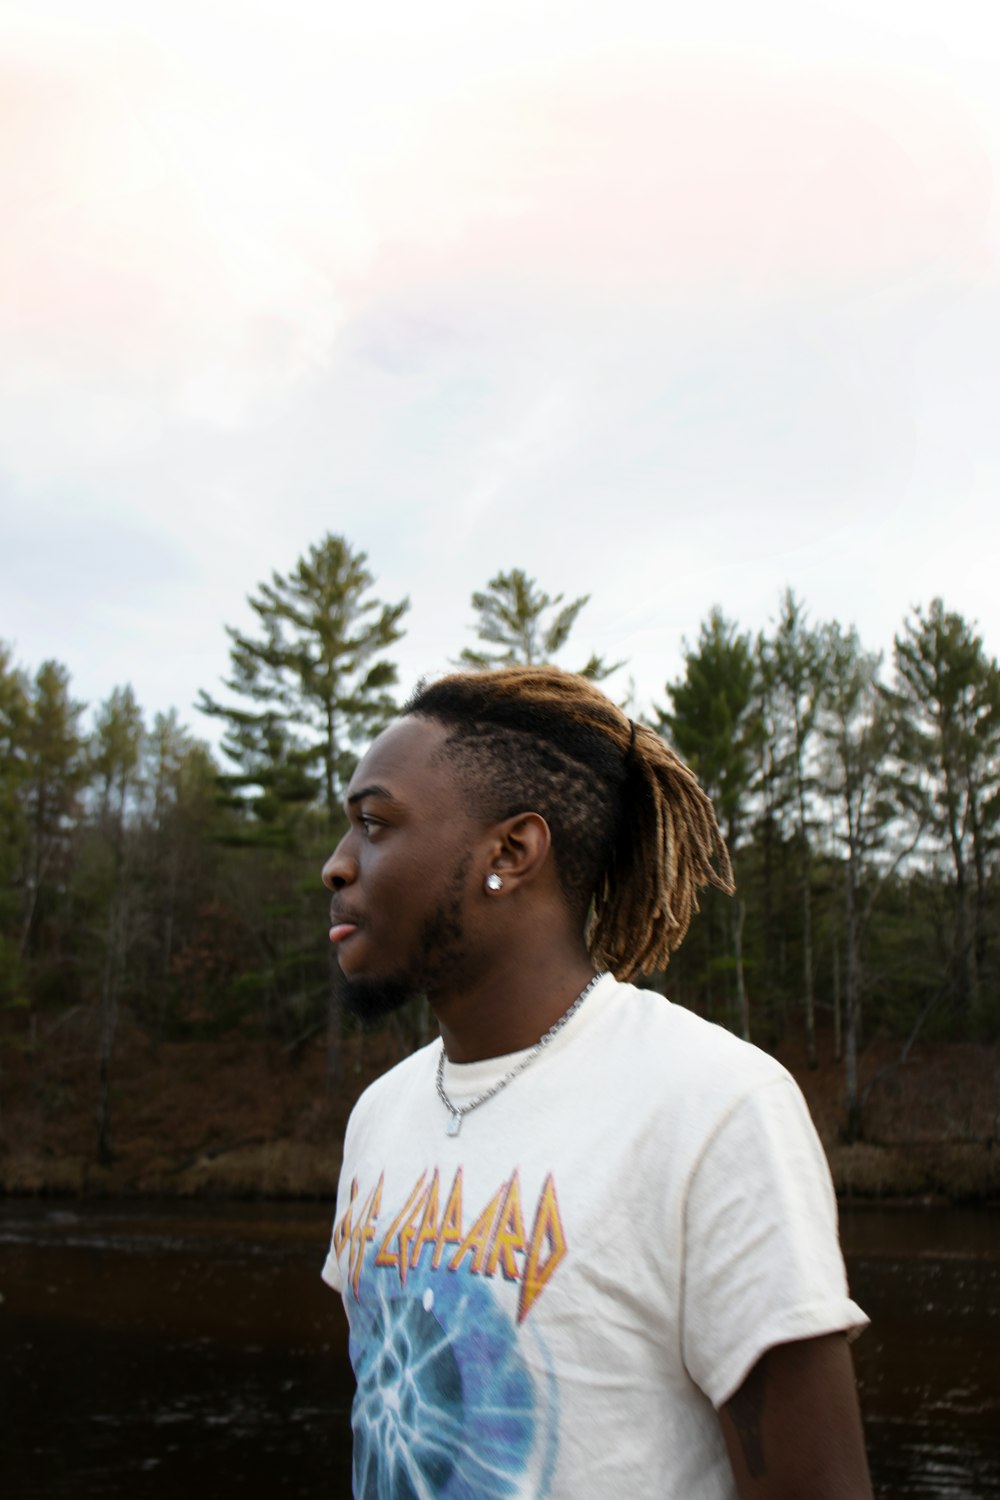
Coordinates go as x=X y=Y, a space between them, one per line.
x=342 y=925
x=341 y=930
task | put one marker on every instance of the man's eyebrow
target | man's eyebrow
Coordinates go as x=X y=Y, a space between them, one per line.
x=370 y=791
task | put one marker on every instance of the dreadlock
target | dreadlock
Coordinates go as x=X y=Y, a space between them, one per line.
x=633 y=834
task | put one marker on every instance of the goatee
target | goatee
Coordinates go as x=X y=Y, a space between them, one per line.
x=369 y=1001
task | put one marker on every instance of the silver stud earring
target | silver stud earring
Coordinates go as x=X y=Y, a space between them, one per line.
x=493 y=881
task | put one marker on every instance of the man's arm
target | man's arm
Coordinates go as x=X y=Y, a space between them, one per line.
x=793 y=1429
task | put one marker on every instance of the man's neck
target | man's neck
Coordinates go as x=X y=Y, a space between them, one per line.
x=508 y=1009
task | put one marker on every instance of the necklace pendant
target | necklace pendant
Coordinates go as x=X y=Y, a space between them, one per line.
x=455 y=1123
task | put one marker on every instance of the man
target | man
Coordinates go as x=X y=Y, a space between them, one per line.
x=587 y=1241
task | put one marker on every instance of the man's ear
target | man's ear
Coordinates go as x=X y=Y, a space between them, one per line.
x=521 y=848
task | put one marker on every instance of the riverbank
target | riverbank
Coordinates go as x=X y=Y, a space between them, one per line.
x=247 y=1119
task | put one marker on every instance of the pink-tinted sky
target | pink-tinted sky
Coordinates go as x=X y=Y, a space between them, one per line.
x=672 y=312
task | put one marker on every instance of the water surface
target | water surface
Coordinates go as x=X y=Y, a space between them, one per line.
x=929 y=1366
x=148 y=1350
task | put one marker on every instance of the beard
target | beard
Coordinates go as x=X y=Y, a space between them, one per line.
x=440 y=958
x=370 y=1001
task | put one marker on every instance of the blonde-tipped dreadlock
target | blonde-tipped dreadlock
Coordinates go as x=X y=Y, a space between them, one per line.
x=633 y=834
x=669 y=846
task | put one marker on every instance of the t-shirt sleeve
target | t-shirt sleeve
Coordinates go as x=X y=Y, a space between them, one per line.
x=762 y=1260
x=331 y=1272
x=333 y=1267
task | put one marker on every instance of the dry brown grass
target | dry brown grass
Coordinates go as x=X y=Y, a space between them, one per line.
x=239 y=1118
x=956 y=1173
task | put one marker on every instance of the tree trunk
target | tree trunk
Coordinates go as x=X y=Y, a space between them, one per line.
x=773 y=1017
x=807 y=956
x=853 y=1093
x=980 y=923
x=707 y=998
x=330 y=765
x=114 y=959
x=964 y=955
x=169 y=921
x=743 y=1004
x=805 y=875
x=334 y=1047
x=965 y=958
x=107 y=1026
x=27 y=921
x=838 y=1040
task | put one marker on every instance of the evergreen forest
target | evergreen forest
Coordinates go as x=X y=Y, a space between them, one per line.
x=152 y=886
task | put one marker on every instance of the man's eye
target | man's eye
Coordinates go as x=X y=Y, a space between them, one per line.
x=368 y=825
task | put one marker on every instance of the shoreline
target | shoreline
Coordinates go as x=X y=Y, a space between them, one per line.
x=242 y=1118
x=937 y=1174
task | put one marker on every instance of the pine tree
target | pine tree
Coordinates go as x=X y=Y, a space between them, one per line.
x=116 y=758
x=181 y=856
x=771 y=797
x=14 y=709
x=948 y=692
x=316 y=686
x=797 y=667
x=711 y=724
x=52 y=775
x=512 y=613
x=314 y=679
x=14 y=716
x=856 y=726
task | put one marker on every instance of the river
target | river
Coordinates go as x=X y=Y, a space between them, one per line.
x=150 y=1350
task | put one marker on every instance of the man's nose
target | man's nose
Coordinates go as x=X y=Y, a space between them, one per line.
x=340 y=869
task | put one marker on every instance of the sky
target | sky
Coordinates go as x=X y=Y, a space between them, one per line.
x=674 y=310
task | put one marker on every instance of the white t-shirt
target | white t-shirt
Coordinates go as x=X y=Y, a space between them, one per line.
x=553 y=1303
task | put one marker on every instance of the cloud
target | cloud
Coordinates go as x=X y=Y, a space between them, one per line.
x=161 y=257
x=672 y=308
x=196 y=229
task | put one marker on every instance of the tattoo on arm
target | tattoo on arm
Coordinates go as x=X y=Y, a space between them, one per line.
x=745 y=1410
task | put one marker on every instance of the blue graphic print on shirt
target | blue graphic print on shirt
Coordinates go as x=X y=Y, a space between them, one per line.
x=456 y=1399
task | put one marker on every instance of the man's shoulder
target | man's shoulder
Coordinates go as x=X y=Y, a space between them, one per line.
x=398 y=1082
x=659 y=1034
x=684 y=1078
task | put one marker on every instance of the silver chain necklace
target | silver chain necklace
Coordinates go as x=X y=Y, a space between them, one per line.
x=457 y=1112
